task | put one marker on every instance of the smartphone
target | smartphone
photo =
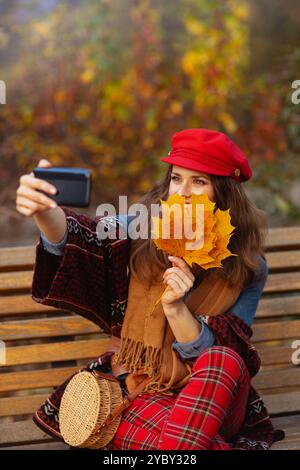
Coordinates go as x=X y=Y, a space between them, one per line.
x=73 y=185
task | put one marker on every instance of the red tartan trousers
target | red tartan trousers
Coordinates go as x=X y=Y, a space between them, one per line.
x=206 y=413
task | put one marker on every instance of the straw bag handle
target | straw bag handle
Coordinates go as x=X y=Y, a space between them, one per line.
x=126 y=402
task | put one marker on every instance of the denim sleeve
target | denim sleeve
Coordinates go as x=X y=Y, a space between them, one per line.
x=246 y=305
x=54 y=248
x=193 y=348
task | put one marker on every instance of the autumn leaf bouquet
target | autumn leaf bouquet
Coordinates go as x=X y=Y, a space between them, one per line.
x=195 y=232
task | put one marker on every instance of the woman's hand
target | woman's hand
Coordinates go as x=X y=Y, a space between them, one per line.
x=30 y=200
x=48 y=216
x=178 y=281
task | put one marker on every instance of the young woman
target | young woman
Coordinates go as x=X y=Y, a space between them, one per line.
x=195 y=344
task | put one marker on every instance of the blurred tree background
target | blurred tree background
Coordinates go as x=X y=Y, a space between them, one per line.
x=104 y=84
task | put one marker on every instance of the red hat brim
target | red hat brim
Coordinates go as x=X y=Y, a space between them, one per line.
x=189 y=164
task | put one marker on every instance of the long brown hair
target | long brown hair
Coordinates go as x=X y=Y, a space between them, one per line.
x=147 y=262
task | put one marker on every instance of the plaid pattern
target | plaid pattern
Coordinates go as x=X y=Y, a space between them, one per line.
x=213 y=402
x=230 y=330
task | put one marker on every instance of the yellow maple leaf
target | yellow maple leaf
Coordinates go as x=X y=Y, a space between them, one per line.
x=195 y=232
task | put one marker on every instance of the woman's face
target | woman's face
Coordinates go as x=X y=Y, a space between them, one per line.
x=185 y=182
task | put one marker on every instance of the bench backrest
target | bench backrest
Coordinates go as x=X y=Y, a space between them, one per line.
x=45 y=345
x=277 y=324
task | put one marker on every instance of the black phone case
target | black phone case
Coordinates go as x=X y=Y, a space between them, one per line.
x=73 y=185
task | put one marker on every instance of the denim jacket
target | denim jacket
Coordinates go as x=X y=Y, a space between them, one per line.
x=245 y=306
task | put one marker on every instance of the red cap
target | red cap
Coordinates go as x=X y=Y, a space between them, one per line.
x=208 y=151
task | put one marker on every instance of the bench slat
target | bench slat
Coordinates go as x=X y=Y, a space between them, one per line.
x=27 y=433
x=278 y=403
x=92 y=348
x=287 y=444
x=281 y=403
x=23 y=405
x=275 y=356
x=281 y=378
x=22 y=281
x=26 y=380
x=60 y=351
x=282 y=238
x=290 y=423
x=15 y=281
x=270 y=331
x=45 y=446
x=291 y=427
x=17 y=258
x=278 y=306
x=75 y=325
x=268 y=307
x=283 y=260
x=22 y=432
x=285 y=282
x=48 y=327
x=45 y=378
x=23 y=305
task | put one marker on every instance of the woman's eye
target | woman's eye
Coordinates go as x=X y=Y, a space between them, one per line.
x=200 y=182
x=174 y=178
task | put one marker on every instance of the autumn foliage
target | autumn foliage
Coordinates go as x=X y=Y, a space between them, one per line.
x=104 y=84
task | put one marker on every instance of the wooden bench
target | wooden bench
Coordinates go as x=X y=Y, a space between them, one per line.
x=45 y=345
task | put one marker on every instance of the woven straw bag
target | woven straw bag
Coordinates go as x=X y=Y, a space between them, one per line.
x=91 y=408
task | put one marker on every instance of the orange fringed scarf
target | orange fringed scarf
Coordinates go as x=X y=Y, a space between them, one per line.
x=146 y=338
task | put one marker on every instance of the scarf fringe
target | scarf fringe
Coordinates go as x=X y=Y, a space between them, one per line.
x=136 y=357
x=158 y=386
